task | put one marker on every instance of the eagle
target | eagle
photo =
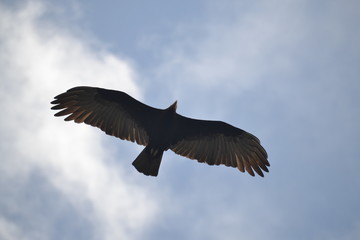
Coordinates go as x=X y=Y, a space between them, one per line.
x=120 y=115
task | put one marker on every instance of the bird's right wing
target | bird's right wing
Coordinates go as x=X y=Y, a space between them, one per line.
x=216 y=142
x=114 y=112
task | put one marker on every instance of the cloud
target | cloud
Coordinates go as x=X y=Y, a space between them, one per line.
x=244 y=46
x=237 y=47
x=10 y=231
x=240 y=49
x=39 y=60
x=288 y=70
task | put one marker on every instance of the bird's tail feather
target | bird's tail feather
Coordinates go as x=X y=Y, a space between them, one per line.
x=148 y=161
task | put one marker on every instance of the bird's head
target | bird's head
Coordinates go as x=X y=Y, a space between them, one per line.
x=173 y=107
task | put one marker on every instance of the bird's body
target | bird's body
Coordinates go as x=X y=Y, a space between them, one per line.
x=122 y=116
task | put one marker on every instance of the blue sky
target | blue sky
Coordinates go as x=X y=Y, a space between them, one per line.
x=286 y=71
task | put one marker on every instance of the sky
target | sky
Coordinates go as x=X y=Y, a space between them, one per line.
x=286 y=71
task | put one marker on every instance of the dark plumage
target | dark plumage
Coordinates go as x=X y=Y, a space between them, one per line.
x=119 y=115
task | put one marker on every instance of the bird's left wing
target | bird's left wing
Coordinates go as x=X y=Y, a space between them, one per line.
x=216 y=142
x=114 y=112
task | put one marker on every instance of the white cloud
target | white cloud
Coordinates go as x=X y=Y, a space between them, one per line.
x=41 y=60
x=252 y=48
x=10 y=231
x=238 y=48
x=297 y=64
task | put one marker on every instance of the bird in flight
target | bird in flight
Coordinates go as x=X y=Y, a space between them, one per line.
x=118 y=114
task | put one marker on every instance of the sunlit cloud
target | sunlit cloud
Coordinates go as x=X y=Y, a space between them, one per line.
x=37 y=62
x=287 y=72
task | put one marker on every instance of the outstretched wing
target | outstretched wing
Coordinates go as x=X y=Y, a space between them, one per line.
x=114 y=112
x=216 y=142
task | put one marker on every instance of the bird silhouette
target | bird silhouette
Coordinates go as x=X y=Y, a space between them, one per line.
x=118 y=114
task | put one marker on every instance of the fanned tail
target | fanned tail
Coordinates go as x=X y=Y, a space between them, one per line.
x=148 y=161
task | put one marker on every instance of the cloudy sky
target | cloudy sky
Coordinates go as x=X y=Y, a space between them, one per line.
x=286 y=71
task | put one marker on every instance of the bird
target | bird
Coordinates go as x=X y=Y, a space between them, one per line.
x=122 y=116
